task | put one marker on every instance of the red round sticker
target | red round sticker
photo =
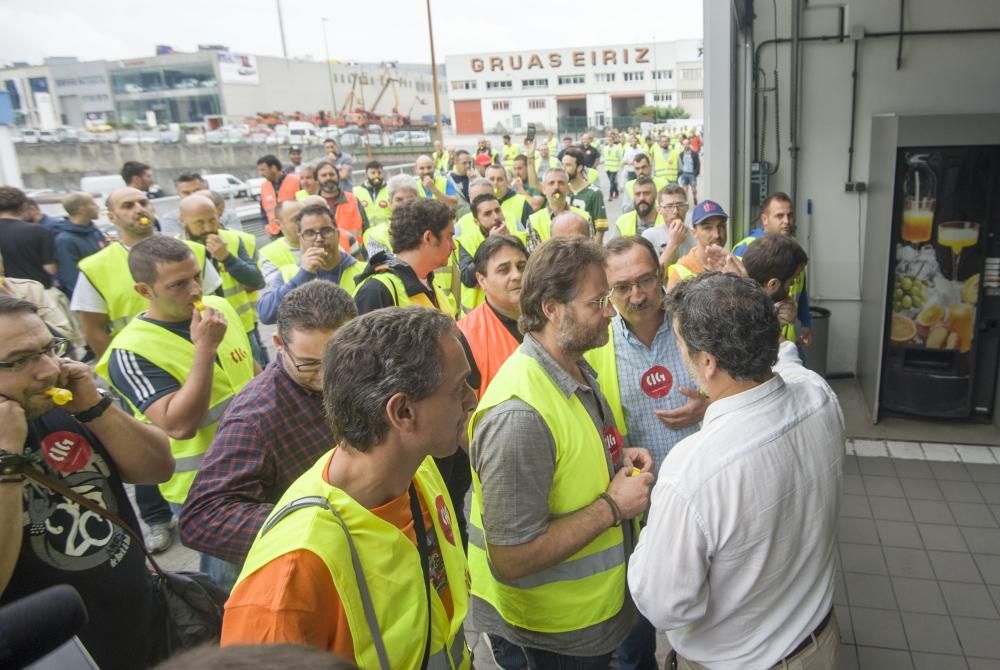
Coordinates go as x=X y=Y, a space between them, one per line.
x=614 y=442
x=657 y=381
x=383 y=204
x=65 y=451
x=364 y=203
x=444 y=518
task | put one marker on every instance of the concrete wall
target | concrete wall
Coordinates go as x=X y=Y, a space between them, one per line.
x=939 y=75
x=60 y=166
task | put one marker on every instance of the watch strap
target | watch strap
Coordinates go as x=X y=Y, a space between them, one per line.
x=97 y=410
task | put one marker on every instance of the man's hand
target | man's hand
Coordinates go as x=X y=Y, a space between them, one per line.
x=78 y=378
x=631 y=493
x=720 y=260
x=637 y=457
x=216 y=247
x=313 y=259
x=15 y=425
x=499 y=228
x=806 y=338
x=428 y=182
x=518 y=186
x=529 y=147
x=785 y=311
x=207 y=328
x=687 y=414
x=677 y=232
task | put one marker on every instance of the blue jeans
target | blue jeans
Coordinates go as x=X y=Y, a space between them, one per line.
x=152 y=507
x=257 y=348
x=222 y=572
x=539 y=659
x=638 y=650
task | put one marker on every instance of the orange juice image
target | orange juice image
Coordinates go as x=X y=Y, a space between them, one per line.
x=963 y=318
x=917 y=224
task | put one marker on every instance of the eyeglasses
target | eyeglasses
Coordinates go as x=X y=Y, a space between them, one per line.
x=601 y=303
x=310 y=235
x=305 y=368
x=674 y=205
x=644 y=283
x=56 y=348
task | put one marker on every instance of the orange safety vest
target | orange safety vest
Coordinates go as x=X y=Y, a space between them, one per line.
x=347 y=218
x=491 y=343
x=269 y=200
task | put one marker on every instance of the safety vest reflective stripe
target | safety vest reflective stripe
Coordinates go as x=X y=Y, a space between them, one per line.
x=375 y=569
x=189 y=464
x=108 y=273
x=402 y=299
x=232 y=370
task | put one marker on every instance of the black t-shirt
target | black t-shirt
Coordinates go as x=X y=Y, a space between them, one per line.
x=590 y=155
x=65 y=544
x=25 y=248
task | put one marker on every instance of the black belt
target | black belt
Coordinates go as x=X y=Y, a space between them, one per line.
x=809 y=638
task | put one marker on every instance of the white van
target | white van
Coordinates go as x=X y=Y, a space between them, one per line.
x=102 y=185
x=227 y=185
x=302 y=132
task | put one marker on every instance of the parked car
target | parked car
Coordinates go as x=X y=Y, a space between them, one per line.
x=133 y=88
x=227 y=185
x=254 y=184
x=399 y=138
x=420 y=137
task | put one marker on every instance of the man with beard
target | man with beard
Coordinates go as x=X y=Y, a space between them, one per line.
x=373 y=195
x=348 y=214
x=642 y=169
x=777 y=216
x=743 y=523
x=553 y=481
x=525 y=179
x=343 y=161
x=442 y=158
x=583 y=194
x=235 y=264
x=435 y=186
x=642 y=218
x=91 y=446
x=320 y=257
x=460 y=173
x=555 y=186
x=294 y=159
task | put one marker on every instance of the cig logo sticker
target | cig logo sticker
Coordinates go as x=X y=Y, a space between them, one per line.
x=657 y=381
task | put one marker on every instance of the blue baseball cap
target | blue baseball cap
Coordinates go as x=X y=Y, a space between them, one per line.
x=707 y=209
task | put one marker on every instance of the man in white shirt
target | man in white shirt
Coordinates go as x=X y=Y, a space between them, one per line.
x=737 y=560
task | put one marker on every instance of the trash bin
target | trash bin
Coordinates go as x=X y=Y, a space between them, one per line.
x=815 y=353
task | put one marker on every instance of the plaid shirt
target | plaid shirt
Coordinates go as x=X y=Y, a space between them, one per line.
x=273 y=431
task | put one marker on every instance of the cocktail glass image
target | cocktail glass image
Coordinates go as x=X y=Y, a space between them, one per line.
x=919 y=199
x=957 y=235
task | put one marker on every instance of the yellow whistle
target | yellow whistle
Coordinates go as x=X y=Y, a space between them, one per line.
x=635 y=471
x=198 y=306
x=144 y=220
x=59 y=396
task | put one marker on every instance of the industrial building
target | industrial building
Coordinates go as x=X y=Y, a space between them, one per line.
x=188 y=87
x=575 y=88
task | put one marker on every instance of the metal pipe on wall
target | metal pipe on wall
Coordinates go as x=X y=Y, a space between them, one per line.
x=793 y=100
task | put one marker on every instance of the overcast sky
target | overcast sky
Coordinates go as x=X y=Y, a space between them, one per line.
x=358 y=30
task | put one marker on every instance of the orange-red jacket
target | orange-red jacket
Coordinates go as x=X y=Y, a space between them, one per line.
x=490 y=341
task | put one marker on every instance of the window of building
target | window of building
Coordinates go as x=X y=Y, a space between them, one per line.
x=663 y=97
x=534 y=83
x=463 y=85
x=536 y=103
x=691 y=74
x=571 y=79
x=663 y=74
x=501 y=105
x=499 y=84
x=605 y=77
x=634 y=76
x=692 y=95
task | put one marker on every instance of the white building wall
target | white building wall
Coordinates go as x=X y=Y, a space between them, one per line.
x=939 y=75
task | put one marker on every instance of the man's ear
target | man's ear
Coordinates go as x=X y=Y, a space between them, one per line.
x=708 y=364
x=772 y=286
x=399 y=413
x=144 y=289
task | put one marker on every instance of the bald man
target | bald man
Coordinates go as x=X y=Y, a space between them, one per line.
x=285 y=249
x=230 y=256
x=77 y=240
x=432 y=186
x=228 y=218
x=569 y=224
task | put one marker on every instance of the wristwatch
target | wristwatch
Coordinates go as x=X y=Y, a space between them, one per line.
x=97 y=410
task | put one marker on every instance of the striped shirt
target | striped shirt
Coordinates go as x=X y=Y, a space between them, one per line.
x=635 y=361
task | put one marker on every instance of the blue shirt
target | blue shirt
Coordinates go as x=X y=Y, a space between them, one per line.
x=635 y=362
x=270 y=299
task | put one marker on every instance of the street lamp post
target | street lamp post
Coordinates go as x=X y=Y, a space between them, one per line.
x=434 y=75
x=329 y=69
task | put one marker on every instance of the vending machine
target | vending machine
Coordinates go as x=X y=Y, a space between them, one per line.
x=941 y=343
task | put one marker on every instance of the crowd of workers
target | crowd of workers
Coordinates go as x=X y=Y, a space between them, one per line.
x=625 y=402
